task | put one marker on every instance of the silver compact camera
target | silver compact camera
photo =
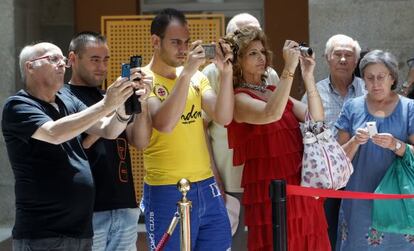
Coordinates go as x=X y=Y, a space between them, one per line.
x=305 y=51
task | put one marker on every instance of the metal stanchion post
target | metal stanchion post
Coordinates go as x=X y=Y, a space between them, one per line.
x=278 y=195
x=184 y=205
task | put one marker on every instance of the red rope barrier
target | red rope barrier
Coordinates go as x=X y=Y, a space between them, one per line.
x=328 y=193
x=162 y=242
x=166 y=236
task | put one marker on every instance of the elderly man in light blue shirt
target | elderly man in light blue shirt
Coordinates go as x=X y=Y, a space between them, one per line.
x=342 y=54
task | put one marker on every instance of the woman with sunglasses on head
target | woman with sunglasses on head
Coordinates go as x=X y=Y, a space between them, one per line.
x=372 y=151
x=266 y=138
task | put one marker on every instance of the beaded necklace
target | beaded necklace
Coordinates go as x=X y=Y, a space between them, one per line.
x=261 y=87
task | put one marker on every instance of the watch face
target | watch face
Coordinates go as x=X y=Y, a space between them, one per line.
x=397 y=146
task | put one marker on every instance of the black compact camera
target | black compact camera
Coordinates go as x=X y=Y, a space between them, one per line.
x=305 y=51
x=135 y=61
x=132 y=105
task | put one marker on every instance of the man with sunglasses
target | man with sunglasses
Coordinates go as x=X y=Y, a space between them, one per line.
x=115 y=217
x=41 y=125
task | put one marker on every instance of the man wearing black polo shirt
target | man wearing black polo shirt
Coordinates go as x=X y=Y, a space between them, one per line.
x=53 y=182
x=115 y=217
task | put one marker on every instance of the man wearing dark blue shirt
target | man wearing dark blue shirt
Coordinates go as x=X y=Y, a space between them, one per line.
x=53 y=182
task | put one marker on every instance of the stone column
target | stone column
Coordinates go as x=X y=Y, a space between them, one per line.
x=7 y=85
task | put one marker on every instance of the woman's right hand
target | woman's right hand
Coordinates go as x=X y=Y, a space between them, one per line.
x=291 y=55
x=224 y=57
x=361 y=136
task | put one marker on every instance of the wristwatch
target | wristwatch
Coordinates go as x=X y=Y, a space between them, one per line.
x=397 y=146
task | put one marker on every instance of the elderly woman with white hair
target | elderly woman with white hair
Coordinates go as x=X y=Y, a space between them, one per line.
x=372 y=154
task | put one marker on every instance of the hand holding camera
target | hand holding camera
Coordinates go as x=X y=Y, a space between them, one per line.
x=291 y=55
x=307 y=61
x=144 y=87
x=196 y=58
x=118 y=92
x=223 y=57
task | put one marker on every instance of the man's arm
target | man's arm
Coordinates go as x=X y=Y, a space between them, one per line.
x=213 y=165
x=89 y=141
x=68 y=127
x=139 y=132
x=166 y=115
x=110 y=127
x=220 y=108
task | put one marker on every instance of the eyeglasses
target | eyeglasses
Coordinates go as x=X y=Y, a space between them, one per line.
x=380 y=77
x=53 y=59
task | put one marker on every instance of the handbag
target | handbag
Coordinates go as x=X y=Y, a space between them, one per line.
x=324 y=162
x=396 y=216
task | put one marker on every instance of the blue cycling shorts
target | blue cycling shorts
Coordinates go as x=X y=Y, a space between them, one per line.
x=210 y=226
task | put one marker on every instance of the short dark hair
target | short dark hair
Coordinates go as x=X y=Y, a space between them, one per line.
x=163 y=19
x=81 y=39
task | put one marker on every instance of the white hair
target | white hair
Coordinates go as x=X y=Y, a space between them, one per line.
x=30 y=52
x=26 y=54
x=241 y=20
x=342 y=40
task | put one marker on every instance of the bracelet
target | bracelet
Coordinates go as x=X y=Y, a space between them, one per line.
x=121 y=119
x=287 y=74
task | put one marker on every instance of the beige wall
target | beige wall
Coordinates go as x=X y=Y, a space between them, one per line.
x=376 y=24
x=7 y=83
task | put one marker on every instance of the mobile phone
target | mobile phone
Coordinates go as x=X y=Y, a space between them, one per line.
x=372 y=128
x=125 y=70
x=135 y=61
x=209 y=50
x=132 y=105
